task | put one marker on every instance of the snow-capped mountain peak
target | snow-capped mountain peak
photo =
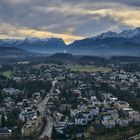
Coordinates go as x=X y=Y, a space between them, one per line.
x=124 y=34
x=109 y=34
x=130 y=33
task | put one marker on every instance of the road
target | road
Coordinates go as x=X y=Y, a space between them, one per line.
x=41 y=107
x=48 y=128
x=136 y=137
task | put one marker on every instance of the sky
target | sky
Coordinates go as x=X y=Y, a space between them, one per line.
x=67 y=19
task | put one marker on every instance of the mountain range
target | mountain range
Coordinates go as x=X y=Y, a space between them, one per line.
x=110 y=43
x=14 y=53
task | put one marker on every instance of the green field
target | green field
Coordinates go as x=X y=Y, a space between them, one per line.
x=23 y=62
x=88 y=68
x=38 y=66
x=44 y=64
x=7 y=74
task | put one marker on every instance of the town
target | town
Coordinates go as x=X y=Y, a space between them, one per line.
x=69 y=69
x=69 y=101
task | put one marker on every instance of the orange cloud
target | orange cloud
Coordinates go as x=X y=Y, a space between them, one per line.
x=9 y=31
x=43 y=34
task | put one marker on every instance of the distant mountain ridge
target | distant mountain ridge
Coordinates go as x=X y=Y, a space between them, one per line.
x=14 y=53
x=124 y=34
x=110 y=43
x=39 y=45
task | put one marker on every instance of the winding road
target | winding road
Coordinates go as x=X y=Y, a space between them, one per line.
x=41 y=107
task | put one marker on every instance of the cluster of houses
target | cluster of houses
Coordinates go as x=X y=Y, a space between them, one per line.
x=109 y=112
x=33 y=121
x=106 y=111
x=15 y=100
x=29 y=115
x=123 y=80
x=74 y=104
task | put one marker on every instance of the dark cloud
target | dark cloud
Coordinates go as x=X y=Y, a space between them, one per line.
x=77 y=17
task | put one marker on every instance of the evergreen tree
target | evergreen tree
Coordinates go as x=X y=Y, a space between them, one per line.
x=3 y=120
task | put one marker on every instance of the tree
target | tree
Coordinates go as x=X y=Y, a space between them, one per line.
x=53 y=133
x=3 y=120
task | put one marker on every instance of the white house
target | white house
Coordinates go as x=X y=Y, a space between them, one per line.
x=124 y=121
x=135 y=115
x=120 y=105
x=94 y=111
x=109 y=123
x=27 y=113
x=80 y=119
x=73 y=112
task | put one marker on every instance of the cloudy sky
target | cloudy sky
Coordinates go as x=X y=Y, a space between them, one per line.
x=67 y=19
